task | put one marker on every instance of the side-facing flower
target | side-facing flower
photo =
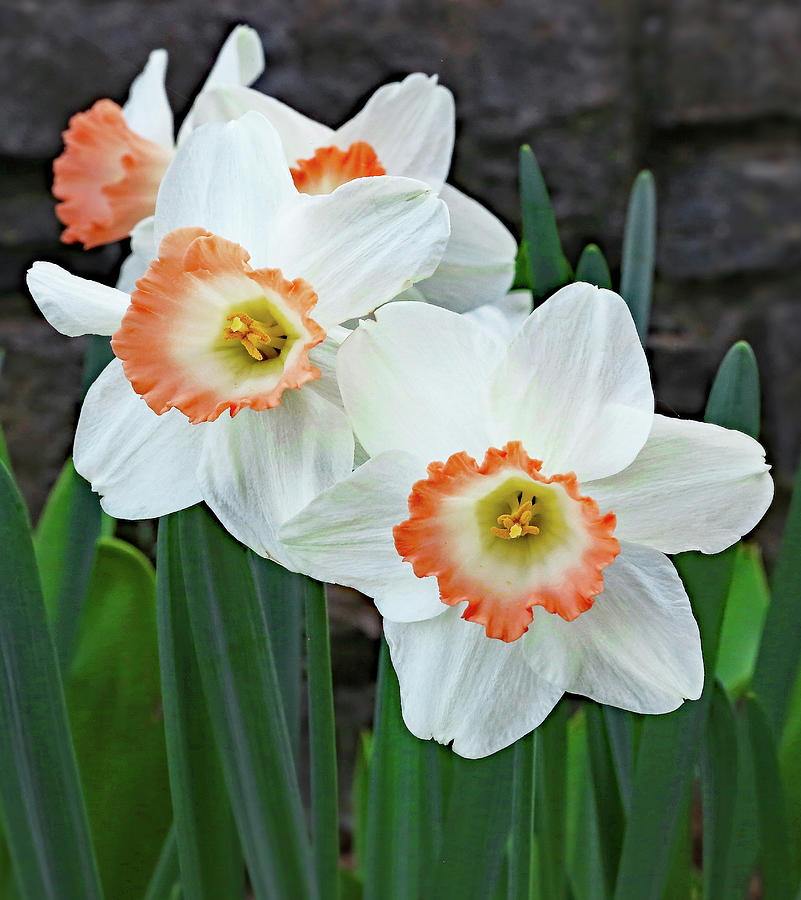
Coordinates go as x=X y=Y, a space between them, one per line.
x=513 y=519
x=223 y=389
x=406 y=128
x=114 y=158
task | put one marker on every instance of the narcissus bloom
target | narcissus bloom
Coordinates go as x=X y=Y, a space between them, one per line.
x=114 y=159
x=406 y=128
x=223 y=389
x=513 y=519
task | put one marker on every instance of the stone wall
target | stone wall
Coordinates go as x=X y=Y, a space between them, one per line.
x=707 y=93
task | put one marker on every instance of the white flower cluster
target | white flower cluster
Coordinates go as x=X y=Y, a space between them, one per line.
x=314 y=336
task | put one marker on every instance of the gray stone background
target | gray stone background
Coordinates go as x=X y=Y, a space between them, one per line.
x=706 y=93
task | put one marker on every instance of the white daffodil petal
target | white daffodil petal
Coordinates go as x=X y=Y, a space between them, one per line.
x=143 y=252
x=693 y=486
x=324 y=356
x=345 y=536
x=361 y=245
x=142 y=465
x=147 y=110
x=479 y=262
x=504 y=318
x=459 y=685
x=410 y=125
x=74 y=305
x=229 y=179
x=637 y=647
x=574 y=386
x=259 y=469
x=240 y=61
x=417 y=379
x=300 y=136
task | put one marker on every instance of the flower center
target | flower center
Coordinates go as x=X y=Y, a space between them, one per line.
x=504 y=538
x=331 y=167
x=261 y=341
x=515 y=524
x=195 y=309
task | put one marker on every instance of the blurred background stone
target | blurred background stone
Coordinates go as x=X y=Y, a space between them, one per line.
x=705 y=93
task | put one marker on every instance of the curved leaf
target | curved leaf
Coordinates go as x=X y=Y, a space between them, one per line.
x=639 y=251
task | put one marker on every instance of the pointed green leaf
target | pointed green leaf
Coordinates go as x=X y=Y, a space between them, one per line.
x=43 y=810
x=360 y=795
x=719 y=765
x=66 y=536
x=746 y=607
x=405 y=799
x=778 y=877
x=734 y=398
x=480 y=790
x=592 y=267
x=114 y=702
x=551 y=803
x=281 y=594
x=521 y=846
x=780 y=650
x=243 y=697
x=522 y=279
x=322 y=742
x=585 y=865
x=608 y=796
x=548 y=268
x=209 y=853
x=166 y=881
x=639 y=250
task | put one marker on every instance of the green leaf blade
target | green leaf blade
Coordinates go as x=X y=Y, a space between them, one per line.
x=209 y=853
x=639 y=251
x=734 y=397
x=240 y=682
x=592 y=267
x=548 y=268
x=44 y=814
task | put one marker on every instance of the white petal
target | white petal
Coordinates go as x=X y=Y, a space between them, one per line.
x=637 y=647
x=459 y=685
x=229 y=179
x=142 y=465
x=417 y=379
x=324 y=356
x=574 y=387
x=410 y=125
x=479 y=262
x=504 y=318
x=143 y=252
x=345 y=536
x=74 y=305
x=361 y=245
x=259 y=469
x=693 y=486
x=300 y=136
x=147 y=110
x=240 y=61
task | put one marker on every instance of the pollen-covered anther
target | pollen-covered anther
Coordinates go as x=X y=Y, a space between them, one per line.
x=252 y=333
x=517 y=524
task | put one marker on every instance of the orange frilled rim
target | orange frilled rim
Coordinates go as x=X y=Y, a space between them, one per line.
x=107 y=177
x=496 y=599
x=331 y=167
x=172 y=338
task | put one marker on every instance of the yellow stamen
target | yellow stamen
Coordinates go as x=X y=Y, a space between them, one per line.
x=251 y=333
x=517 y=524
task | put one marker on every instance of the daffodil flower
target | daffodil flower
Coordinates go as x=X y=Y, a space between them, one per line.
x=223 y=389
x=513 y=519
x=406 y=128
x=114 y=159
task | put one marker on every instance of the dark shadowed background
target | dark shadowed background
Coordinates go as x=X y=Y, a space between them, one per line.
x=706 y=93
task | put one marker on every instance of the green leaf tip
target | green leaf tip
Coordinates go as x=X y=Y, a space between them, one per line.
x=734 y=397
